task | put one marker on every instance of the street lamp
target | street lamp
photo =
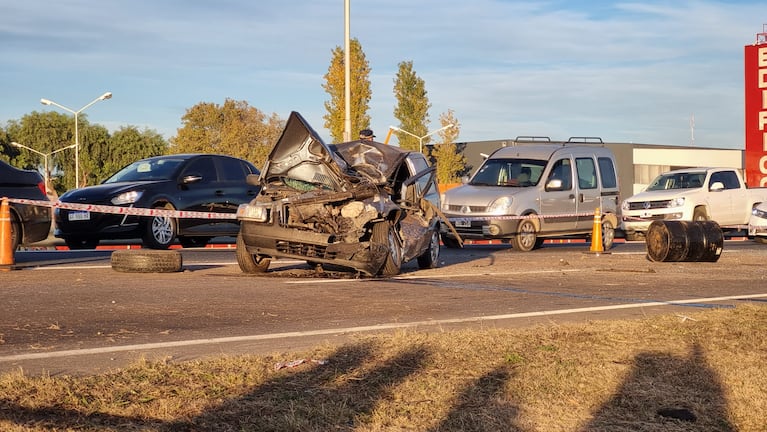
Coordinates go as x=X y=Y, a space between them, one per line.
x=45 y=159
x=420 y=138
x=106 y=95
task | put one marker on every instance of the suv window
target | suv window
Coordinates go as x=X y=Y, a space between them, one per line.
x=607 y=171
x=233 y=169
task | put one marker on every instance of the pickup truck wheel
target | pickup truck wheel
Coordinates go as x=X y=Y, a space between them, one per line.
x=450 y=242
x=430 y=256
x=526 y=239
x=384 y=233
x=248 y=262
x=699 y=215
x=608 y=235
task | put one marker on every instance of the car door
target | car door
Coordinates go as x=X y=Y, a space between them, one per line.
x=199 y=190
x=723 y=203
x=559 y=203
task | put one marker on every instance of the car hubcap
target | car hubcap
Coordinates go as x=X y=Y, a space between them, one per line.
x=162 y=229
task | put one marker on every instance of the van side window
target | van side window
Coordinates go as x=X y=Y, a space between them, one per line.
x=587 y=173
x=561 y=170
x=607 y=172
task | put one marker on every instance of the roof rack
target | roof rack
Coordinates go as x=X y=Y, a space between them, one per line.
x=532 y=138
x=584 y=140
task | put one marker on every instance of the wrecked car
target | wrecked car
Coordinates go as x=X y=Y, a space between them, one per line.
x=360 y=205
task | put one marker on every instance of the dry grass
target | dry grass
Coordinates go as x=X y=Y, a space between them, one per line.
x=597 y=376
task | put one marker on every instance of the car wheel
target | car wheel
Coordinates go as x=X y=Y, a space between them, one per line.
x=160 y=232
x=608 y=235
x=699 y=215
x=526 y=239
x=16 y=233
x=146 y=261
x=634 y=237
x=760 y=239
x=248 y=262
x=80 y=243
x=430 y=257
x=192 y=242
x=384 y=233
x=450 y=242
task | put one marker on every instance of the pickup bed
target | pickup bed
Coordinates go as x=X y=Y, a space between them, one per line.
x=692 y=194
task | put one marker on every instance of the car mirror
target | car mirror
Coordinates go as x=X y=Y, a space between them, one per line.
x=465 y=179
x=717 y=186
x=191 y=179
x=253 y=179
x=554 y=185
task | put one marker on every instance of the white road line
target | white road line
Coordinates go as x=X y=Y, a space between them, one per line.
x=432 y=276
x=378 y=327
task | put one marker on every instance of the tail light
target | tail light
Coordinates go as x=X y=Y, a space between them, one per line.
x=41 y=186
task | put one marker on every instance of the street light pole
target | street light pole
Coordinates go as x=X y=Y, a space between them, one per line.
x=45 y=156
x=106 y=95
x=420 y=138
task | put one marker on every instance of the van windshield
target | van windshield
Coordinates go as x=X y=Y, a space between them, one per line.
x=509 y=172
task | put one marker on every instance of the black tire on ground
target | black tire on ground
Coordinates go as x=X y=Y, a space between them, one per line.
x=146 y=261
x=79 y=243
x=430 y=257
x=248 y=262
x=450 y=242
x=160 y=231
x=191 y=242
x=526 y=239
x=384 y=233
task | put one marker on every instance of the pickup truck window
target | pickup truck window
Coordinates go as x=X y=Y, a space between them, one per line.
x=728 y=178
x=686 y=180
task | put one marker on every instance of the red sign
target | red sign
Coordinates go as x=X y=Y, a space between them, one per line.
x=756 y=114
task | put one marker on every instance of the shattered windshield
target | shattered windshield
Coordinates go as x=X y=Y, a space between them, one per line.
x=685 y=180
x=509 y=172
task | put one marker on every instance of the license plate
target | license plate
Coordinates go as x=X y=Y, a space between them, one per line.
x=462 y=223
x=79 y=216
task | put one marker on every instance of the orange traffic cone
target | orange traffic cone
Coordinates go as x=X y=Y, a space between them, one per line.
x=596 y=233
x=6 y=243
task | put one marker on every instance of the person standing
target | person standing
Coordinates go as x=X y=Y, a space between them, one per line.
x=366 y=135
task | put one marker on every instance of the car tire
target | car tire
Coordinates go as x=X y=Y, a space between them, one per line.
x=146 y=261
x=193 y=242
x=608 y=235
x=81 y=243
x=429 y=259
x=526 y=238
x=248 y=262
x=384 y=233
x=160 y=231
x=16 y=233
x=450 y=242
x=760 y=239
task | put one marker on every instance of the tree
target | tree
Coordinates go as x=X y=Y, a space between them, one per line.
x=359 y=88
x=234 y=129
x=128 y=145
x=412 y=108
x=449 y=162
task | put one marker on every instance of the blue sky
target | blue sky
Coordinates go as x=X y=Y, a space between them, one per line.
x=624 y=71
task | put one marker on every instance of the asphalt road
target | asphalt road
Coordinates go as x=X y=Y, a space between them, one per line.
x=69 y=312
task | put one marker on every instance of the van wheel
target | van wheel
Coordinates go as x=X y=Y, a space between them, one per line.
x=248 y=262
x=526 y=239
x=450 y=242
x=430 y=257
x=384 y=233
x=608 y=235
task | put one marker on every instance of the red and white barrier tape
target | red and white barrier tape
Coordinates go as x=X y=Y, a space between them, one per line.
x=133 y=211
x=531 y=216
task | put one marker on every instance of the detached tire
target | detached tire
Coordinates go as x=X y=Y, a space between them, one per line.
x=146 y=261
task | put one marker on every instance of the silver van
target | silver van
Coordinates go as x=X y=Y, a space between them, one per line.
x=525 y=193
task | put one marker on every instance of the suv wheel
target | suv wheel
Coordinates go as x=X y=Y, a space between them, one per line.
x=192 y=242
x=160 y=232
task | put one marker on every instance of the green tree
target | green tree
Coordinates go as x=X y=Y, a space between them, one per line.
x=234 y=129
x=449 y=162
x=359 y=88
x=412 y=108
x=127 y=145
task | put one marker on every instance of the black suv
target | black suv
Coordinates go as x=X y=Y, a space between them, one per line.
x=29 y=223
x=184 y=182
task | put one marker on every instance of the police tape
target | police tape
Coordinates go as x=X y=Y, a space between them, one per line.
x=184 y=214
x=131 y=211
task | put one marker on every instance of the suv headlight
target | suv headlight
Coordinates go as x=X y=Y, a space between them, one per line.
x=500 y=206
x=676 y=202
x=127 y=197
x=256 y=213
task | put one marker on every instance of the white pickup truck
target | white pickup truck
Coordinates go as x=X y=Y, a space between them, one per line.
x=692 y=194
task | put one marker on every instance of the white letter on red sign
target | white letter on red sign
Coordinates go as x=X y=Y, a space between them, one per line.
x=762 y=119
x=762 y=82
x=761 y=57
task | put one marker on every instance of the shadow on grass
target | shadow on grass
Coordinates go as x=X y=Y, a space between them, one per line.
x=665 y=392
